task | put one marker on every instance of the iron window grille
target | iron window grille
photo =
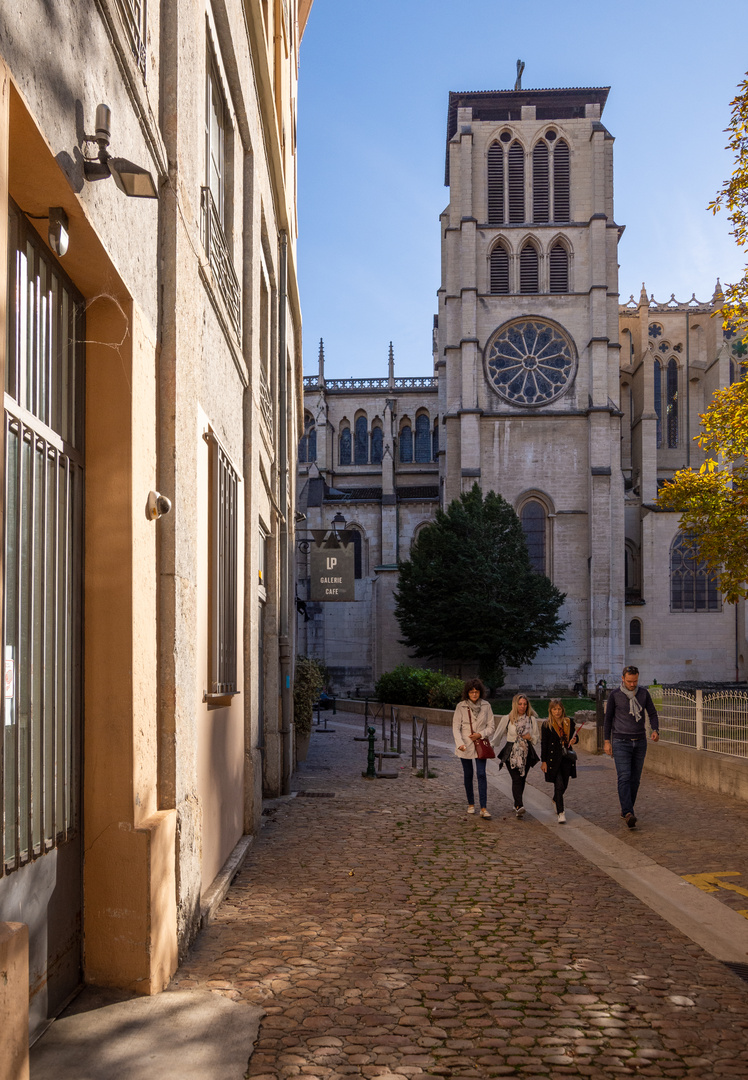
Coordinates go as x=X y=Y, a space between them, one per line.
x=223 y=556
x=216 y=248
x=133 y=15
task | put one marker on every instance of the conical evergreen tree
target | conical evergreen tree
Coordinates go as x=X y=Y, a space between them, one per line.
x=468 y=593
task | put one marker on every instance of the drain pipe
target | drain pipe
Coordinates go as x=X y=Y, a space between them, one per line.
x=284 y=639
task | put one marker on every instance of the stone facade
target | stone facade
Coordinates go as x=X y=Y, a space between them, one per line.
x=171 y=635
x=543 y=392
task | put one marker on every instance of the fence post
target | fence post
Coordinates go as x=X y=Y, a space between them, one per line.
x=414 y=744
x=699 y=719
x=600 y=696
x=396 y=712
x=426 y=750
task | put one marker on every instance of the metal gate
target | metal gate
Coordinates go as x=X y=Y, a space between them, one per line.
x=40 y=737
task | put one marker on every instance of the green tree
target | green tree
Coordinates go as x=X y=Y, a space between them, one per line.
x=713 y=502
x=733 y=196
x=468 y=593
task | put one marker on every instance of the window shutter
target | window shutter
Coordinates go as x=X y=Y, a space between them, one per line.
x=559 y=267
x=561 y=182
x=496 y=184
x=500 y=270
x=541 y=194
x=516 y=183
x=528 y=269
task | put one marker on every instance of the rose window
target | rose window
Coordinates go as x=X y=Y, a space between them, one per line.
x=530 y=361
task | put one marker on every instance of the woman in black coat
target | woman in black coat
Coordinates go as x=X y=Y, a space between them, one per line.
x=556 y=733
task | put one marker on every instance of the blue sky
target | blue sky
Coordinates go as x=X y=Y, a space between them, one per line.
x=374 y=82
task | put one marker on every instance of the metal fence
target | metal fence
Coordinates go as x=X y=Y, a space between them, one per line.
x=715 y=721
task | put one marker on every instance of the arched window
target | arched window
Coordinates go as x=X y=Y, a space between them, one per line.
x=406 y=444
x=308 y=441
x=496 y=184
x=499 y=270
x=361 y=448
x=528 y=269
x=516 y=183
x=559 y=268
x=658 y=400
x=435 y=440
x=541 y=194
x=423 y=438
x=692 y=586
x=672 y=403
x=561 y=182
x=358 y=545
x=732 y=369
x=345 y=446
x=377 y=444
x=533 y=520
x=635 y=632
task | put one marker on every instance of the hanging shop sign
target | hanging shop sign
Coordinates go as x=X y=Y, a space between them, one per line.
x=332 y=567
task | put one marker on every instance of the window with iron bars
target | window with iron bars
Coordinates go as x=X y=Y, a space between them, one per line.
x=224 y=563
x=133 y=15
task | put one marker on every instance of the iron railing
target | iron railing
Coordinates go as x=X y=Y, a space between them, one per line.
x=712 y=721
x=418 y=382
x=217 y=250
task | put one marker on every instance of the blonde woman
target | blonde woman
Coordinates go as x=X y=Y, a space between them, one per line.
x=473 y=720
x=517 y=737
x=557 y=734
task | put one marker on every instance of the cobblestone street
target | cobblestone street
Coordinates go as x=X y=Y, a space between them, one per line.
x=385 y=932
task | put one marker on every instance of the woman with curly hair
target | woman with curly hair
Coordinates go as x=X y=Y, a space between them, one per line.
x=473 y=719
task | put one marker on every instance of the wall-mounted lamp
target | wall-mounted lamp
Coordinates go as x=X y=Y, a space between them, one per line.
x=157 y=505
x=135 y=181
x=338 y=523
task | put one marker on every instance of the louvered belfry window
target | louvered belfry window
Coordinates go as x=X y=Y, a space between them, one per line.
x=541 y=194
x=672 y=403
x=561 y=182
x=528 y=269
x=496 y=184
x=500 y=270
x=516 y=183
x=559 y=269
x=658 y=400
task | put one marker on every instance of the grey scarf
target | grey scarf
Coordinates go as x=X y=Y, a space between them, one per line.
x=634 y=707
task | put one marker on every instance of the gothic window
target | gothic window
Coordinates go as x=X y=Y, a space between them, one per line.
x=559 y=268
x=423 y=439
x=530 y=361
x=672 y=403
x=308 y=441
x=655 y=330
x=496 y=184
x=732 y=372
x=499 y=270
x=692 y=586
x=376 y=445
x=561 y=182
x=361 y=446
x=358 y=561
x=516 y=183
x=406 y=444
x=540 y=190
x=528 y=269
x=435 y=440
x=658 y=400
x=533 y=520
x=345 y=446
x=635 y=632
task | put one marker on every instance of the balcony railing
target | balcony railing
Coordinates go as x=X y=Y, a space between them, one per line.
x=419 y=382
x=216 y=248
x=133 y=18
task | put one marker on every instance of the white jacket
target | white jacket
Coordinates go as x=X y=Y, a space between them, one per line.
x=506 y=732
x=482 y=725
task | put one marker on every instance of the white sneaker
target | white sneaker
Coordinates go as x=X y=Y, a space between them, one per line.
x=471 y=809
x=519 y=811
x=562 y=818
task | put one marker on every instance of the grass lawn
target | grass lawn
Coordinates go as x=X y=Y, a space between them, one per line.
x=501 y=706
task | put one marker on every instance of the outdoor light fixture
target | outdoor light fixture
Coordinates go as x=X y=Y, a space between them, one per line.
x=58 y=234
x=135 y=181
x=338 y=523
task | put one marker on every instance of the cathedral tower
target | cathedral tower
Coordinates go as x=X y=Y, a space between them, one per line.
x=527 y=349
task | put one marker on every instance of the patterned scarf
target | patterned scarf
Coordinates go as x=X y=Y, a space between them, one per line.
x=518 y=756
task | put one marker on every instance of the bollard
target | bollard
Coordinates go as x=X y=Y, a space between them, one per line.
x=371 y=772
x=334 y=706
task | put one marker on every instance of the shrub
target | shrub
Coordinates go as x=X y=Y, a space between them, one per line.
x=418 y=686
x=308 y=681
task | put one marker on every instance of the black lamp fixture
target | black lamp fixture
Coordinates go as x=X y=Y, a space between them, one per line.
x=135 y=181
x=338 y=523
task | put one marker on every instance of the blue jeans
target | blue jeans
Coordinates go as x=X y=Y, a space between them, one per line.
x=629 y=755
x=467 y=771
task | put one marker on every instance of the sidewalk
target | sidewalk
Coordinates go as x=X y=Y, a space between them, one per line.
x=386 y=933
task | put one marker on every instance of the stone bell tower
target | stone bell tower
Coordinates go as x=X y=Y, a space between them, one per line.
x=527 y=349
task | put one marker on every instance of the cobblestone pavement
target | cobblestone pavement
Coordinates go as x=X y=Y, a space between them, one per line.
x=386 y=933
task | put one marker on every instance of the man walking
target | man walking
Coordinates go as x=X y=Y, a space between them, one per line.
x=626 y=737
